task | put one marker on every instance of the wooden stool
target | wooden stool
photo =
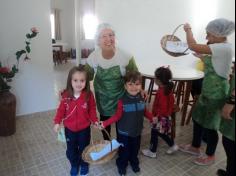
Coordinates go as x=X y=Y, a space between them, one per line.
x=173 y=121
x=192 y=104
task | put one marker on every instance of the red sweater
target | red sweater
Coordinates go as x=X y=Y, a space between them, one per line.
x=78 y=113
x=117 y=116
x=163 y=105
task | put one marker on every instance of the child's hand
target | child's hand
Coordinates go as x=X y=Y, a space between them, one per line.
x=101 y=126
x=56 y=128
x=187 y=27
x=154 y=120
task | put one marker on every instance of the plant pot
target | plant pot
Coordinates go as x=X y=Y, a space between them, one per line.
x=7 y=113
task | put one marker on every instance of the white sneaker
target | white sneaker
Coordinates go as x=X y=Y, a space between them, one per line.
x=149 y=153
x=172 y=149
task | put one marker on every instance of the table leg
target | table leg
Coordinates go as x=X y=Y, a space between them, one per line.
x=186 y=100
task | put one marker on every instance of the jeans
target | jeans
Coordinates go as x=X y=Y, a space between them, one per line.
x=128 y=152
x=76 y=143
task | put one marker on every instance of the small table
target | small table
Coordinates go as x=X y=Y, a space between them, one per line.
x=186 y=75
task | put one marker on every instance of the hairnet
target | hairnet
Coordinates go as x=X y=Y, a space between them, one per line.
x=100 y=28
x=220 y=27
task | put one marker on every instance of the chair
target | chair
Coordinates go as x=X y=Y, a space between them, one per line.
x=173 y=121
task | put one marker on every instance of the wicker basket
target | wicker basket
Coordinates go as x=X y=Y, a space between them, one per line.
x=96 y=147
x=172 y=38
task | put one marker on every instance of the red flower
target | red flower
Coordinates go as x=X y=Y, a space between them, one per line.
x=4 y=70
x=34 y=30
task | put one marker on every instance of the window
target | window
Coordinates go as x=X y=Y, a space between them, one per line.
x=52 y=20
x=90 y=23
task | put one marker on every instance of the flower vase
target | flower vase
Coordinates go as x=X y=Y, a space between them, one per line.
x=7 y=113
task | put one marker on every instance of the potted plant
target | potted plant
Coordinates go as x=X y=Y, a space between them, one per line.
x=7 y=99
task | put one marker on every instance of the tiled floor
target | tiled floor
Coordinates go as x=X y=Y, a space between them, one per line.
x=34 y=151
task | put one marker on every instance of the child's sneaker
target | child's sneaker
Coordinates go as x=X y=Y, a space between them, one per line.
x=136 y=169
x=84 y=170
x=74 y=171
x=205 y=160
x=221 y=172
x=172 y=149
x=190 y=150
x=149 y=153
x=122 y=172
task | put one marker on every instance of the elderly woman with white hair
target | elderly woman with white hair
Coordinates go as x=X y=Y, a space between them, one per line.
x=109 y=64
x=217 y=58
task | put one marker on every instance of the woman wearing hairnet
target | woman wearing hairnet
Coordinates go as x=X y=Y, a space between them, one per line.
x=110 y=65
x=206 y=115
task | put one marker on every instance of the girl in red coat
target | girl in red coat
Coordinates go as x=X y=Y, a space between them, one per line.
x=162 y=109
x=76 y=111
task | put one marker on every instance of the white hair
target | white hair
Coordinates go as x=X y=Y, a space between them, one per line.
x=220 y=27
x=100 y=28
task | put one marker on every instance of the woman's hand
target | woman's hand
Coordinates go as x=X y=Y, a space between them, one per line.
x=226 y=111
x=187 y=27
x=200 y=56
x=56 y=128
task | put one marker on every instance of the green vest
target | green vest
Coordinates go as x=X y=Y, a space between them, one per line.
x=207 y=111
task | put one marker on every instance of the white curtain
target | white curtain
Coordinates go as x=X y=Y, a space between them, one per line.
x=57 y=24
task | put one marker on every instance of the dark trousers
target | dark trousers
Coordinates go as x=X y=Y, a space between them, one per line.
x=76 y=143
x=229 y=147
x=196 y=87
x=154 y=140
x=128 y=152
x=212 y=138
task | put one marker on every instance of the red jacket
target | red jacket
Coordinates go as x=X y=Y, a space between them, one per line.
x=163 y=105
x=77 y=113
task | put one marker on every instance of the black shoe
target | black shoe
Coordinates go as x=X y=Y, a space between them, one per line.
x=136 y=169
x=221 y=172
x=122 y=172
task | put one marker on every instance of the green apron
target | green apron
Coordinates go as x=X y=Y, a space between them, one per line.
x=207 y=111
x=227 y=127
x=109 y=87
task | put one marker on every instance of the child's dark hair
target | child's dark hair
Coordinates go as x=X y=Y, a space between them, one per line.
x=133 y=76
x=164 y=75
x=69 y=88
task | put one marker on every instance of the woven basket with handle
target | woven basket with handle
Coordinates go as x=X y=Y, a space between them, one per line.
x=172 y=38
x=97 y=146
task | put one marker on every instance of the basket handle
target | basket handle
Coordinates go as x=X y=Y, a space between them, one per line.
x=176 y=30
x=109 y=136
x=172 y=35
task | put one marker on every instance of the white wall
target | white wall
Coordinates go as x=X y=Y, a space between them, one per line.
x=33 y=85
x=140 y=25
x=67 y=16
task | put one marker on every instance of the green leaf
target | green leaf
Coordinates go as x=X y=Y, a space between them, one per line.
x=27 y=43
x=28 y=48
x=19 y=53
x=33 y=35
x=14 y=69
x=28 y=36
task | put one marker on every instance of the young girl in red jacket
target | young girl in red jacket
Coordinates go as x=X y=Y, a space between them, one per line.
x=162 y=109
x=77 y=110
